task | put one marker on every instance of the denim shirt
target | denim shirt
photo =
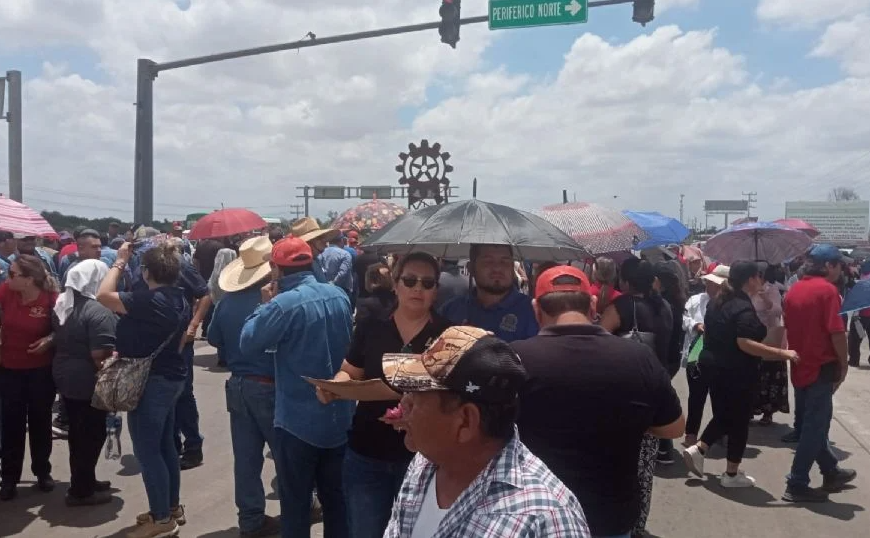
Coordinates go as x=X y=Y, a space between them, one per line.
x=337 y=267
x=308 y=328
x=225 y=329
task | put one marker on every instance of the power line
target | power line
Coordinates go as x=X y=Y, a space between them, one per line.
x=751 y=198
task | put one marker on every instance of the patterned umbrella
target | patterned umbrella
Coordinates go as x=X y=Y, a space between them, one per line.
x=758 y=241
x=798 y=224
x=16 y=217
x=372 y=215
x=598 y=229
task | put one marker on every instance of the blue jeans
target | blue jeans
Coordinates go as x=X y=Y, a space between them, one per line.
x=152 y=433
x=186 y=413
x=300 y=466
x=252 y=410
x=817 y=403
x=370 y=487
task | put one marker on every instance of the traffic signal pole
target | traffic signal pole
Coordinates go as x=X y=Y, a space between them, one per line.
x=147 y=71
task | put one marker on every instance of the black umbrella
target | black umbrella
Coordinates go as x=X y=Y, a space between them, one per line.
x=447 y=231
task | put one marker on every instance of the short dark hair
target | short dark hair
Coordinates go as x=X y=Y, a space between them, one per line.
x=378 y=277
x=421 y=257
x=497 y=420
x=90 y=233
x=163 y=262
x=287 y=271
x=474 y=251
x=560 y=302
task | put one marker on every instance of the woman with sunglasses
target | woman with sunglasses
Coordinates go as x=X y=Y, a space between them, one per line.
x=26 y=386
x=376 y=457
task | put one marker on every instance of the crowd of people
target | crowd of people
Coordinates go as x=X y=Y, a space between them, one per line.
x=514 y=401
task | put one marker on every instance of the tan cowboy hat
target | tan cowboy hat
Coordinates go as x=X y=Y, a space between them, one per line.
x=250 y=267
x=307 y=230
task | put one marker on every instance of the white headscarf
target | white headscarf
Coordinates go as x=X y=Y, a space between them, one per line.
x=84 y=277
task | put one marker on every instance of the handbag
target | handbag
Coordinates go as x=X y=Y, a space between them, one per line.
x=645 y=338
x=121 y=381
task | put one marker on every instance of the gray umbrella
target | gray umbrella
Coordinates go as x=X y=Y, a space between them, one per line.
x=448 y=230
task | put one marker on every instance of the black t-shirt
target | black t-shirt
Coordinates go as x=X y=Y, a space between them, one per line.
x=380 y=304
x=723 y=325
x=589 y=399
x=372 y=338
x=205 y=254
x=660 y=324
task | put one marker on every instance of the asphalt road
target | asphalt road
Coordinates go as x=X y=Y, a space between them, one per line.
x=683 y=507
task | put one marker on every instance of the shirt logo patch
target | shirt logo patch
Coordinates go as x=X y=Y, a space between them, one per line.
x=471 y=388
x=37 y=312
x=509 y=323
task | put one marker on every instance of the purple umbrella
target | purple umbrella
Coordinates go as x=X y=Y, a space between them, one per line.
x=759 y=241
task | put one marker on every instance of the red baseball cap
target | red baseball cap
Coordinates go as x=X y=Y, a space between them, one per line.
x=291 y=252
x=551 y=281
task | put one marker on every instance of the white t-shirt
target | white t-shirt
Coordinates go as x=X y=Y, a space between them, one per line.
x=430 y=514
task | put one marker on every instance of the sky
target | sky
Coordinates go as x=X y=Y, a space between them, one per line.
x=711 y=100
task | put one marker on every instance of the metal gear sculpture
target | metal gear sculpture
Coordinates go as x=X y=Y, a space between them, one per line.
x=424 y=170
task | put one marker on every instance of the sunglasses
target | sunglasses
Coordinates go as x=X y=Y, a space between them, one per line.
x=411 y=281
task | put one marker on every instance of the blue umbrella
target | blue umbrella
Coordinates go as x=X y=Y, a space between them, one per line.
x=759 y=241
x=858 y=297
x=661 y=229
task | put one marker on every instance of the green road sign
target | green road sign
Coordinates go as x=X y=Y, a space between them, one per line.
x=525 y=13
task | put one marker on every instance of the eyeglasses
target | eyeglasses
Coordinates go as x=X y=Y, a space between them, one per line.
x=411 y=281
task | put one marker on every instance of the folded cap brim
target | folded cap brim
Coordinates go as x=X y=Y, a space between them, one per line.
x=405 y=372
x=235 y=277
x=718 y=280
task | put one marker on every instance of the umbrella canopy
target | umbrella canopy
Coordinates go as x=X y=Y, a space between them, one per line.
x=448 y=230
x=858 y=298
x=598 y=229
x=226 y=223
x=798 y=224
x=661 y=229
x=372 y=215
x=16 y=217
x=759 y=241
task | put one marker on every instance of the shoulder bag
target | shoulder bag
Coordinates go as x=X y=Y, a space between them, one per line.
x=645 y=338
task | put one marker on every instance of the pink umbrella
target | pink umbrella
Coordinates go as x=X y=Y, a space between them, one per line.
x=597 y=228
x=798 y=224
x=17 y=218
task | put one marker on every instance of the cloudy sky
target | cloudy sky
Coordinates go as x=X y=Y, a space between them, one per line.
x=711 y=100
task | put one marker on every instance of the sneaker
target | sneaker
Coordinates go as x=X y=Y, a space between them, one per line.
x=154 y=529
x=791 y=437
x=271 y=527
x=61 y=429
x=45 y=483
x=177 y=514
x=804 y=494
x=740 y=480
x=694 y=460
x=97 y=498
x=834 y=482
x=190 y=460
x=665 y=457
x=7 y=493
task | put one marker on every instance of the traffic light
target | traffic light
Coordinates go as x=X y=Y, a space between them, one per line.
x=644 y=11
x=449 y=28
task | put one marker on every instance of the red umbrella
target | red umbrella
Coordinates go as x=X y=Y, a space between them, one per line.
x=798 y=224
x=16 y=217
x=226 y=223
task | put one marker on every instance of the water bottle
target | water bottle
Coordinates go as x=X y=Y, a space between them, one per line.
x=114 y=422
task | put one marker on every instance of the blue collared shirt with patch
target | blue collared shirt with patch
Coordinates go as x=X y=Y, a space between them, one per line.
x=308 y=328
x=510 y=319
x=337 y=267
x=225 y=330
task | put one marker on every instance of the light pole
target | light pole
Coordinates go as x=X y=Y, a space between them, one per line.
x=13 y=117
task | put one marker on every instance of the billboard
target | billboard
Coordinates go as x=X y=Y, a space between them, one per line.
x=841 y=223
x=726 y=206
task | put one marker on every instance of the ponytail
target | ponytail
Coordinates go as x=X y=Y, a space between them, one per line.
x=603 y=296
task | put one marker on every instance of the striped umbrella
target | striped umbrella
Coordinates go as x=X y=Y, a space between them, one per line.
x=17 y=218
x=599 y=229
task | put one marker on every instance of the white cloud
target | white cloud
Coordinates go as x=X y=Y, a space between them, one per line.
x=669 y=112
x=809 y=12
x=848 y=40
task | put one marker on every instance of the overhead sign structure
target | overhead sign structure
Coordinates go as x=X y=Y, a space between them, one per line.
x=379 y=192
x=726 y=206
x=842 y=223
x=328 y=193
x=527 y=13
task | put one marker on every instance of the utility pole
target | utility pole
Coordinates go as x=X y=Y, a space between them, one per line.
x=681 y=208
x=751 y=198
x=13 y=117
x=306 y=196
x=296 y=210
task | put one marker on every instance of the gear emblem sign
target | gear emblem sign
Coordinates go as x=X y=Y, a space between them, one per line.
x=424 y=170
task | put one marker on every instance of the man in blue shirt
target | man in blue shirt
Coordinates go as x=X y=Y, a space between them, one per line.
x=27 y=245
x=250 y=390
x=494 y=304
x=307 y=326
x=332 y=264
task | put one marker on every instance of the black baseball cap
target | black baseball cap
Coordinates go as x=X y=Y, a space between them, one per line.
x=465 y=361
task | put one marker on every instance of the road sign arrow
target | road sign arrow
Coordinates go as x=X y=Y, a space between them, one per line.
x=574 y=7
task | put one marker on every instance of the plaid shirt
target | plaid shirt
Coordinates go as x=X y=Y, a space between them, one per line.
x=515 y=496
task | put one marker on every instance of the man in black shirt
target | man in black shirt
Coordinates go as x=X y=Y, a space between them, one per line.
x=589 y=399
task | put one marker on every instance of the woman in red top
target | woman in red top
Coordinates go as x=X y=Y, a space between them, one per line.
x=26 y=386
x=604 y=283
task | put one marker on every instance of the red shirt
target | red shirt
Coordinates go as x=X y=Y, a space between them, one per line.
x=812 y=314
x=595 y=291
x=24 y=324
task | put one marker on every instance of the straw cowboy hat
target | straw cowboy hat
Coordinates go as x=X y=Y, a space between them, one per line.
x=307 y=230
x=250 y=267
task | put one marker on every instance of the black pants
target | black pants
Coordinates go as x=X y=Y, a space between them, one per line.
x=27 y=397
x=855 y=340
x=732 y=393
x=87 y=434
x=698 y=391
